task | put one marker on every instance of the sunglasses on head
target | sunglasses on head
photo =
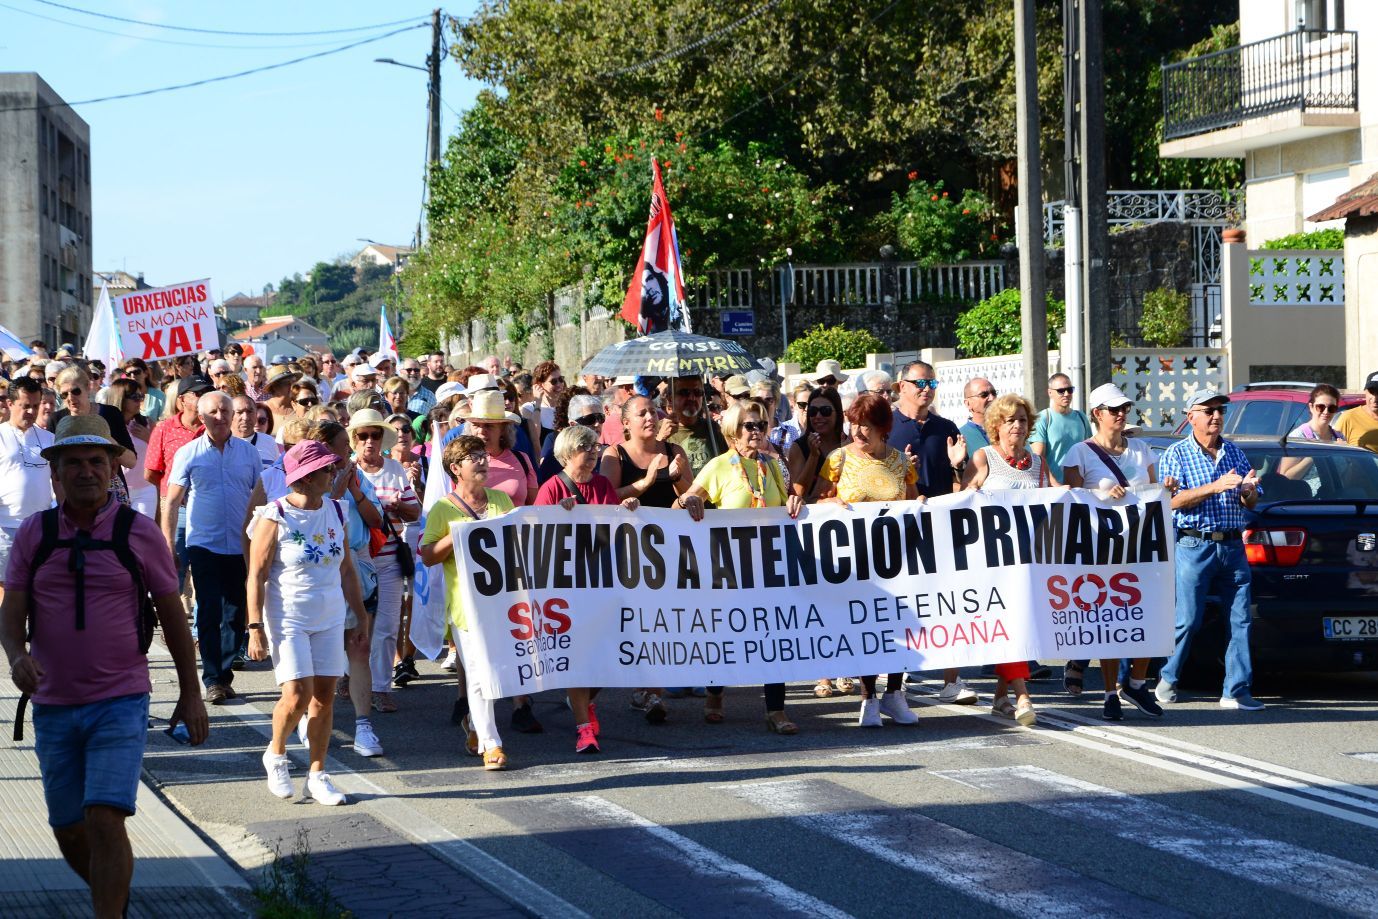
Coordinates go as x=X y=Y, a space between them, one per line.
x=820 y=411
x=923 y=384
x=589 y=421
x=368 y=435
x=755 y=427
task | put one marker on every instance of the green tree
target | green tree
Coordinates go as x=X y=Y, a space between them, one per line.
x=848 y=347
x=330 y=282
x=993 y=326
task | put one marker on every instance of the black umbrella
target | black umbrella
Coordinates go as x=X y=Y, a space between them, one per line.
x=670 y=354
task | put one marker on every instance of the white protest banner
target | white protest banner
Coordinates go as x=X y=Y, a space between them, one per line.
x=600 y=596
x=167 y=321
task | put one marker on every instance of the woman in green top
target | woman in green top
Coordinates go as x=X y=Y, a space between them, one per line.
x=744 y=477
x=466 y=460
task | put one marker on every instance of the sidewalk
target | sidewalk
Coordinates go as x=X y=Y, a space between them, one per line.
x=175 y=873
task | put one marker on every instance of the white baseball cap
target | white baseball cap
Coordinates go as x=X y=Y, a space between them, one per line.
x=1107 y=395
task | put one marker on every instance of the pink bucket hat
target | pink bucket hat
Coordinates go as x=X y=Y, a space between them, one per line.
x=305 y=458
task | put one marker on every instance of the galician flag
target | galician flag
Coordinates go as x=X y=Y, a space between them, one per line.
x=386 y=343
x=655 y=299
x=103 y=340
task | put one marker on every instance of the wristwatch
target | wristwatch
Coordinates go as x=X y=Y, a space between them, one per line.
x=255 y=625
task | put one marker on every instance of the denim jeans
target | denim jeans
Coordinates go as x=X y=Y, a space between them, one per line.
x=1205 y=567
x=90 y=755
x=220 y=611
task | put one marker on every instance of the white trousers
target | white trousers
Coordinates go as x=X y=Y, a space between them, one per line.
x=383 y=641
x=481 y=709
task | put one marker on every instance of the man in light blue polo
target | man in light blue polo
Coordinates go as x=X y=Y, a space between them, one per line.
x=1211 y=482
x=214 y=473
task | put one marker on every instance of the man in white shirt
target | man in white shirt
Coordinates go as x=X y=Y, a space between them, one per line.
x=25 y=482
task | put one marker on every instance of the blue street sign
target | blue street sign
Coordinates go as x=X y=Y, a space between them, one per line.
x=738 y=322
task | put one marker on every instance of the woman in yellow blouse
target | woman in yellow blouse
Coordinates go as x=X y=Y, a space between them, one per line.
x=740 y=478
x=867 y=468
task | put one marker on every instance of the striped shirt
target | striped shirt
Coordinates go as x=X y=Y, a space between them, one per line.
x=1193 y=467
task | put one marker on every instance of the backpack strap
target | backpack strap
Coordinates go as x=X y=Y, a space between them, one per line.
x=148 y=614
x=524 y=460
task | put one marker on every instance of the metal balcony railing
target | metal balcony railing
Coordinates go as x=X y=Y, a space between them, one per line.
x=1305 y=70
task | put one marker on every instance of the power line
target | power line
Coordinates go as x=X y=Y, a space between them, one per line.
x=694 y=45
x=220 y=79
x=159 y=25
x=166 y=41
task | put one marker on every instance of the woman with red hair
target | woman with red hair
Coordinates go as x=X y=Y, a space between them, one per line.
x=866 y=468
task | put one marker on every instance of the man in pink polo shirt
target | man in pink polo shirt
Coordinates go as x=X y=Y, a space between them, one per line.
x=84 y=666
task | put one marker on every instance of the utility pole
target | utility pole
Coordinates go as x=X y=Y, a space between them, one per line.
x=433 y=65
x=1032 y=295
x=1074 y=350
x=1094 y=233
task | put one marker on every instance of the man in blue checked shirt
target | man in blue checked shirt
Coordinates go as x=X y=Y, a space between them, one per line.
x=1211 y=483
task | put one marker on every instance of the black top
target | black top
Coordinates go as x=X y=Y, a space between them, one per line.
x=662 y=491
x=929 y=443
x=119 y=431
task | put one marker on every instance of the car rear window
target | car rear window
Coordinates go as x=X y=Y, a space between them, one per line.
x=1333 y=475
x=1264 y=416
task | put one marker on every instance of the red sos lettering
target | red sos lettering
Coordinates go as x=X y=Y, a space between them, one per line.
x=1090 y=591
x=536 y=618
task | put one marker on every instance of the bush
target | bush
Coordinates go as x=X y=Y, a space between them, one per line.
x=1166 y=318
x=992 y=327
x=936 y=228
x=848 y=347
x=1316 y=239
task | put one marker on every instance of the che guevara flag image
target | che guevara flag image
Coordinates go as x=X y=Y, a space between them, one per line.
x=655 y=298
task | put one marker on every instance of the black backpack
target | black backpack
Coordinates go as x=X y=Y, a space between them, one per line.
x=79 y=545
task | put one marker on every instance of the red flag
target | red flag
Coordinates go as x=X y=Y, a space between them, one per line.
x=655 y=298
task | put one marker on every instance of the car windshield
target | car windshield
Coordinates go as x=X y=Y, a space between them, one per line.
x=1320 y=473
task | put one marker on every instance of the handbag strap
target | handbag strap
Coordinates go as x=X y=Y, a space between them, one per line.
x=573 y=488
x=1109 y=461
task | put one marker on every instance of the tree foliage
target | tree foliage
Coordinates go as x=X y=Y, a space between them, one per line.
x=992 y=327
x=1166 y=318
x=1329 y=238
x=848 y=347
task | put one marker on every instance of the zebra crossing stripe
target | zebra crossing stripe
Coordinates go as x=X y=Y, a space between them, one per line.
x=976 y=867
x=659 y=863
x=1323 y=879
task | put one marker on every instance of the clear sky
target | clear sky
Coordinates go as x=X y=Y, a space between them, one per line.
x=255 y=178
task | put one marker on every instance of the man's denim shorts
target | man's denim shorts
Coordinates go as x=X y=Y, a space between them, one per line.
x=90 y=754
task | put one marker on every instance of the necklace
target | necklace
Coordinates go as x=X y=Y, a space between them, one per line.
x=1020 y=464
x=476 y=515
x=758 y=498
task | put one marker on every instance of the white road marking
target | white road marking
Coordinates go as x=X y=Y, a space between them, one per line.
x=986 y=742
x=705 y=861
x=1304 y=873
x=1366 y=757
x=1011 y=881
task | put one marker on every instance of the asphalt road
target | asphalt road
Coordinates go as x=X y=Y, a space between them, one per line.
x=1205 y=812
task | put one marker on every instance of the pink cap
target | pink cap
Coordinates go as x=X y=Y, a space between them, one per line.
x=306 y=457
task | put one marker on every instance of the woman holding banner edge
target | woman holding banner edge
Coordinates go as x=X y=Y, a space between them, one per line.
x=466 y=462
x=1008 y=463
x=576 y=448
x=867 y=468
x=742 y=478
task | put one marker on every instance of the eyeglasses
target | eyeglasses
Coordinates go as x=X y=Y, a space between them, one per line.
x=478 y=459
x=1211 y=410
x=983 y=394
x=922 y=384
x=1325 y=408
x=755 y=427
x=133 y=396
x=589 y=421
x=368 y=435
x=1064 y=391
x=802 y=406
x=411 y=370
x=1116 y=409
x=70 y=393
x=555 y=381
x=307 y=403
x=591 y=448
x=821 y=411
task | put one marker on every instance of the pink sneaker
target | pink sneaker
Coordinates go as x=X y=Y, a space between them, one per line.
x=586 y=741
x=593 y=721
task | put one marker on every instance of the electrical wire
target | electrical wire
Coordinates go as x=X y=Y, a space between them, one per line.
x=160 y=25
x=168 y=41
x=220 y=79
x=694 y=45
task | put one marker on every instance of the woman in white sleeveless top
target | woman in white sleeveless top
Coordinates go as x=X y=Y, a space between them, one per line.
x=1009 y=463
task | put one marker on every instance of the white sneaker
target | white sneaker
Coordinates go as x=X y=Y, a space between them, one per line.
x=957 y=693
x=870 y=714
x=279 y=769
x=451 y=664
x=895 y=706
x=323 y=791
x=366 y=742
x=301 y=731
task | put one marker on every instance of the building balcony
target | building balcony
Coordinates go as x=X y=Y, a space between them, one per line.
x=1291 y=87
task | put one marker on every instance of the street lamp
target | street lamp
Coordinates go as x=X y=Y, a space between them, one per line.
x=388 y=60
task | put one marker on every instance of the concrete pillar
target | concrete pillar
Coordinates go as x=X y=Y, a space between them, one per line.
x=1234 y=304
x=1361 y=300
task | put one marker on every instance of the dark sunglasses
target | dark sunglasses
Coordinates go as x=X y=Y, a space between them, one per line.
x=820 y=411
x=134 y=397
x=555 y=381
x=1065 y=390
x=589 y=421
x=1211 y=410
x=983 y=394
x=1325 y=408
x=756 y=427
x=71 y=393
x=368 y=435
x=922 y=384
x=307 y=403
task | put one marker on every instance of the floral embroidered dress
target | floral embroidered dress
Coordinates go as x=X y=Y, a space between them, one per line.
x=304 y=581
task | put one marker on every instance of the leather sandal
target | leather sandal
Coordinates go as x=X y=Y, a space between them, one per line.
x=778 y=723
x=824 y=689
x=712 y=709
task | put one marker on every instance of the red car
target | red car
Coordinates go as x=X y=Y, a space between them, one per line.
x=1271 y=409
